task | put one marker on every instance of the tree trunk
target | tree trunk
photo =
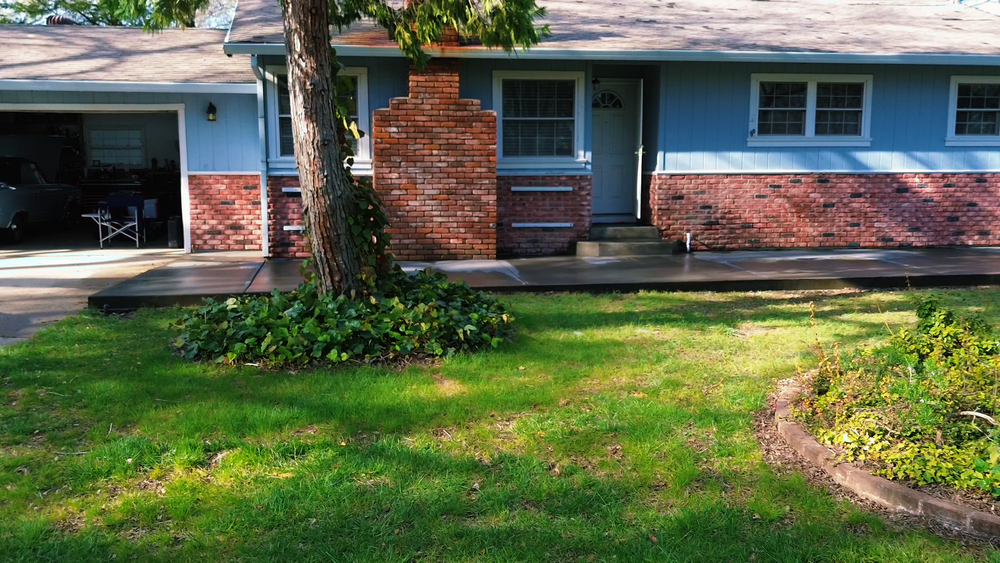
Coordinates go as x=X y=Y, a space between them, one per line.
x=327 y=195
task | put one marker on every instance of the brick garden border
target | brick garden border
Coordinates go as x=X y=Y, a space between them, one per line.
x=952 y=516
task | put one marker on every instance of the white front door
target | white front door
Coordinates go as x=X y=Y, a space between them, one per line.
x=616 y=145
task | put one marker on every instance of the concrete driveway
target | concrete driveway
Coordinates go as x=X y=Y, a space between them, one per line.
x=50 y=275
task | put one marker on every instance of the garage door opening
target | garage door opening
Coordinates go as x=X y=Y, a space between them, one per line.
x=105 y=153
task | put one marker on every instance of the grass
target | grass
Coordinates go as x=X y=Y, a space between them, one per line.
x=616 y=428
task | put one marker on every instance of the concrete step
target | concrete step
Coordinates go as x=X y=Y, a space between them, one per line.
x=628 y=248
x=623 y=232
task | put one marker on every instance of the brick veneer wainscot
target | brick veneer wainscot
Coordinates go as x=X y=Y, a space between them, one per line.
x=225 y=212
x=542 y=207
x=435 y=168
x=827 y=210
x=285 y=209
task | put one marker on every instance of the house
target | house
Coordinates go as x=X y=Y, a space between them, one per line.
x=744 y=123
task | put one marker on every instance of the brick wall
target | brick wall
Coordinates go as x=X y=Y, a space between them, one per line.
x=832 y=210
x=285 y=209
x=225 y=212
x=435 y=168
x=542 y=207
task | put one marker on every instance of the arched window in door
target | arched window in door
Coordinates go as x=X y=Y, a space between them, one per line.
x=607 y=100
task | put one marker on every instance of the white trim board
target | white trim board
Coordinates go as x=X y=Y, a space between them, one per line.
x=274 y=157
x=579 y=157
x=109 y=86
x=240 y=48
x=226 y=173
x=950 y=138
x=809 y=138
x=541 y=188
x=810 y=172
x=541 y=225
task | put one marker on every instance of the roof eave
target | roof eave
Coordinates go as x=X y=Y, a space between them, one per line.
x=238 y=48
x=109 y=86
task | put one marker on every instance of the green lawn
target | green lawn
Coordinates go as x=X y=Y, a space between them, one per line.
x=616 y=428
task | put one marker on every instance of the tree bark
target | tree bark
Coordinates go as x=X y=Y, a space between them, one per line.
x=327 y=194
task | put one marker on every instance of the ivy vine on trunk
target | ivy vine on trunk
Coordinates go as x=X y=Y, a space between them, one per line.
x=344 y=219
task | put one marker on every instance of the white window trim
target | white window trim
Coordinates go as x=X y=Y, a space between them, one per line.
x=533 y=163
x=950 y=138
x=362 y=160
x=810 y=139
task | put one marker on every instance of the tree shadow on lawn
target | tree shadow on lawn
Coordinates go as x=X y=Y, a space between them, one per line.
x=390 y=501
x=381 y=498
x=119 y=372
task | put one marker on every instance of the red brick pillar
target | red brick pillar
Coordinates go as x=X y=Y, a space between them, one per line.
x=435 y=168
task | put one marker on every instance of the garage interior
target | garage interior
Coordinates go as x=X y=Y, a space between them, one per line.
x=104 y=154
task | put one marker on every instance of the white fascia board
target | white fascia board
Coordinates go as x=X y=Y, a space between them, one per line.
x=817 y=171
x=643 y=55
x=98 y=86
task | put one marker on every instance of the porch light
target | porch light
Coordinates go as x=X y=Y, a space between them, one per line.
x=211 y=111
x=595 y=82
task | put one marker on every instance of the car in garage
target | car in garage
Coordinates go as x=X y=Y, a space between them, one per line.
x=27 y=198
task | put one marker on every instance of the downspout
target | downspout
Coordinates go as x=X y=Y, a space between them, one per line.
x=265 y=232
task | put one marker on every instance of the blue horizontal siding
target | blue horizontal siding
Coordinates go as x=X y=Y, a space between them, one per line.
x=706 y=108
x=227 y=145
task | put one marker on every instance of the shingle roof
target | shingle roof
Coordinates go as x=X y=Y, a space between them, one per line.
x=821 y=26
x=115 y=54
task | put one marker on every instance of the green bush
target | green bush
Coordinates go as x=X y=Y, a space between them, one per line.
x=422 y=315
x=919 y=409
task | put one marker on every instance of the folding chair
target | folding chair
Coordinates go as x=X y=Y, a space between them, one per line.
x=122 y=215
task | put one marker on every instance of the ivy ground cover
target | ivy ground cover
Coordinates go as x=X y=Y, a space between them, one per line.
x=615 y=428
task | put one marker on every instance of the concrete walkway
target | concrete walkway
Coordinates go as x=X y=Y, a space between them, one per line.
x=189 y=280
x=51 y=275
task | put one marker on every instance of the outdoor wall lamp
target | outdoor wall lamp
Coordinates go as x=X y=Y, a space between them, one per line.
x=595 y=82
x=211 y=111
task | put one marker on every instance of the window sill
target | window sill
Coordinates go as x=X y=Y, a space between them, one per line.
x=986 y=141
x=810 y=142
x=542 y=166
x=287 y=167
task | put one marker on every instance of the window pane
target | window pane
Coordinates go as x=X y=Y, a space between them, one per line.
x=838 y=122
x=832 y=95
x=782 y=95
x=538 y=117
x=287 y=142
x=977 y=122
x=979 y=96
x=121 y=147
x=539 y=98
x=284 y=101
x=781 y=122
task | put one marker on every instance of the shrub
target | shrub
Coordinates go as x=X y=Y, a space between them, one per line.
x=422 y=315
x=919 y=409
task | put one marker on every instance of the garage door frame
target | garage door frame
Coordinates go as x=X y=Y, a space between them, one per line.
x=130 y=108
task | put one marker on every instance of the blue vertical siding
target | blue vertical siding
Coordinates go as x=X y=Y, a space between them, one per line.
x=706 y=108
x=227 y=145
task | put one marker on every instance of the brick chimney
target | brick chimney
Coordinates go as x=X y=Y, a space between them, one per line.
x=435 y=168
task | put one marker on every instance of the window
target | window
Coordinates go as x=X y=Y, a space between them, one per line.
x=802 y=110
x=282 y=145
x=117 y=147
x=974 y=111
x=539 y=118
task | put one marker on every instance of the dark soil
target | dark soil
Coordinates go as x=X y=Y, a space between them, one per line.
x=785 y=460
